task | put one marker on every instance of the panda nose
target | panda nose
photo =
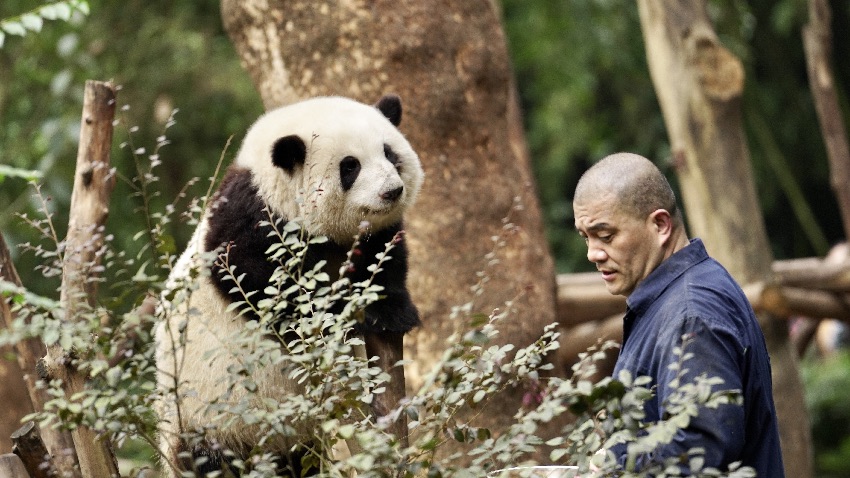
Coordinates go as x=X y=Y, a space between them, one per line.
x=392 y=194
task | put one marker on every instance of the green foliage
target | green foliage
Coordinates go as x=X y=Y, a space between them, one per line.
x=164 y=56
x=33 y=20
x=826 y=381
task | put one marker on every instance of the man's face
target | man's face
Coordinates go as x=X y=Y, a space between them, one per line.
x=624 y=248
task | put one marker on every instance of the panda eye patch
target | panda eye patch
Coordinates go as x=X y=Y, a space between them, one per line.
x=349 y=169
x=390 y=155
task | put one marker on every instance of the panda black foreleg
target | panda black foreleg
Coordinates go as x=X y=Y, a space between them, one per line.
x=207 y=458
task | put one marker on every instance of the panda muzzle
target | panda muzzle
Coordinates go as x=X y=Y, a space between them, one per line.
x=393 y=194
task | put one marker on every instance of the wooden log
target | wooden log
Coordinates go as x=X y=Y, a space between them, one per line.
x=93 y=184
x=785 y=302
x=582 y=297
x=12 y=467
x=811 y=287
x=579 y=338
x=813 y=273
x=32 y=452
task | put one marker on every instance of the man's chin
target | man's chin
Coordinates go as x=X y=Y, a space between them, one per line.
x=615 y=289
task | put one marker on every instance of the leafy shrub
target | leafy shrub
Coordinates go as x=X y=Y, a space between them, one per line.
x=826 y=382
x=114 y=350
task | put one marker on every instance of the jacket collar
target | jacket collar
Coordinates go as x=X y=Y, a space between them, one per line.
x=653 y=285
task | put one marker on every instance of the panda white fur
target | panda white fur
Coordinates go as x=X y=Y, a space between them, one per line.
x=334 y=163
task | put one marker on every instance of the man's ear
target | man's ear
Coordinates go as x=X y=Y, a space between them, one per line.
x=662 y=222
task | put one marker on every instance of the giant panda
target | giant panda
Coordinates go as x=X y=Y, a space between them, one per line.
x=338 y=166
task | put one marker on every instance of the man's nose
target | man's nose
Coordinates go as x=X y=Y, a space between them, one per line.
x=596 y=254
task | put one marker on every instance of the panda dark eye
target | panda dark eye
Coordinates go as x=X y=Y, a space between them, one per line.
x=349 y=169
x=390 y=155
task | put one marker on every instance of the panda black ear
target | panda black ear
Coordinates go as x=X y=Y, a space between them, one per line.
x=288 y=152
x=390 y=106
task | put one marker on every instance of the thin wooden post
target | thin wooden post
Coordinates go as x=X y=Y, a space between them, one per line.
x=93 y=184
x=389 y=351
x=29 y=446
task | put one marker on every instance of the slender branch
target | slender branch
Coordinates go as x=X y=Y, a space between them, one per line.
x=790 y=186
x=817 y=41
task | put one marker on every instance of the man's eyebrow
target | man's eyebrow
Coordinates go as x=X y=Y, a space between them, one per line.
x=599 y=226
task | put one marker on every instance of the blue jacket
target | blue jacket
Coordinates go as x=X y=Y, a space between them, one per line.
x=692 y=293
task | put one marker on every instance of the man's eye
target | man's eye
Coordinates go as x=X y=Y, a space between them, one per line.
x=606 y=238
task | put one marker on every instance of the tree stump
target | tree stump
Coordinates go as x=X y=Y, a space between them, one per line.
x=11 y=466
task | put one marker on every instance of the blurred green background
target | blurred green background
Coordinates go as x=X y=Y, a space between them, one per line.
x=585 y=90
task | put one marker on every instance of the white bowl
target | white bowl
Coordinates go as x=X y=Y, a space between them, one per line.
x=536 y=472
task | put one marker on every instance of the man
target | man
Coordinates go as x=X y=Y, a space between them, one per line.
x=626 y=212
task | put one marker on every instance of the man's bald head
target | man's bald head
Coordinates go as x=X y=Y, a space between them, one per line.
x=638 y=185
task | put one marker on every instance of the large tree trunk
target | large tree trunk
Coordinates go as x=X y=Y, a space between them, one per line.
x=699 y=83
x=448 y=61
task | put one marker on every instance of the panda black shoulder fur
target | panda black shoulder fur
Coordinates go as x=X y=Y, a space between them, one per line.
x=330 y=161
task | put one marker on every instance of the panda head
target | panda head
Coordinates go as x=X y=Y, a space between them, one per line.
x=334 y=163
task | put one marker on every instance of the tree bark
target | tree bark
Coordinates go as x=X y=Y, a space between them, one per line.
x=29 y=353
x=448 y=61
x=699 y=83
x=93 y=184
x=817 y=39
x=14 y=392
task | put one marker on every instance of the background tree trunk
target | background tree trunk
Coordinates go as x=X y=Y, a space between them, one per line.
x=699 y=83
x=448 y=61
x=13 y=396
x=13 y=392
